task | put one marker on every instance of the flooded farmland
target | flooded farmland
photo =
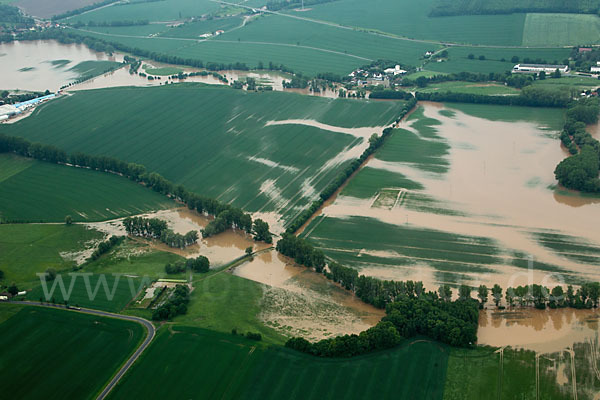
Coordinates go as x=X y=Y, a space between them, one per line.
x=487 y=185
x=43 y=64
x=301 y=302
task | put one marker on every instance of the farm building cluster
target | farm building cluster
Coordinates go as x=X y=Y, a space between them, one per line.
x=9 y=110
x=364 y=77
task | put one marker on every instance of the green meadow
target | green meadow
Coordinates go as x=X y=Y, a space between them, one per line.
x=36 y=191
x=203 y=136
x=57 y=354
x=203 y=364
x=28 y=249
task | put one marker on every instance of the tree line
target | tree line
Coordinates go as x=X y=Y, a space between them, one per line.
x=198 y=264
x=13 y=15
x=445 y=8
x=580 y=170
x=390 y=94
x=374 y=143
x=530 y=96
x=176 y=304
x=226 y=215
x=81 y=10
x=155 y=228
x=280 y=5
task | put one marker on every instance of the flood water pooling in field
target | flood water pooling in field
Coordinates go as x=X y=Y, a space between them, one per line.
x=496 y=182
x=220 y=249
x=545 y=331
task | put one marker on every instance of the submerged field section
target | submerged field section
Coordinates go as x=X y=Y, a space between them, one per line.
x=463 y=193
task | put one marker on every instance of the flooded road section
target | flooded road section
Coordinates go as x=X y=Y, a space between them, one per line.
x=499 y=184
x=43 y=64
x=300 y=302
x=220 y=249
x=544 y=331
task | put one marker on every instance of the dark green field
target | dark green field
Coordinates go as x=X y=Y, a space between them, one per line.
x=36 y=191
x=203 y=137
x=200 y=364
x=57 y=354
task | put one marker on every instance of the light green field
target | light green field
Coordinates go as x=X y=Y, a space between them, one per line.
x=200 y=364
x=577 y=82
x=27 y=249
x=214 y=133
x=164 y=71
x=168 y=10
x=561 y=29
x=222 y=302
x=470 y=88
x=197 y=28
x=57 y=354
x=36 y=191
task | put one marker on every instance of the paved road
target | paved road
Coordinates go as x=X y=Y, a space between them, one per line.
x=147 y=324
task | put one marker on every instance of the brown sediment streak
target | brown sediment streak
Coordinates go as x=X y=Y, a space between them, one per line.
x=499 y=179
x=306 y=301
x=545 y=331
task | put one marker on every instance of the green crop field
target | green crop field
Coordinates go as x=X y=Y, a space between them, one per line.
x=483 y=373
x=168 y=10
x=561 y=29
x=43 y=192
x=410 y=19
x=196 y=28
x=29 y=249
x=200 y=364
x=203 y=137
x=163 y=71
x=57 y=354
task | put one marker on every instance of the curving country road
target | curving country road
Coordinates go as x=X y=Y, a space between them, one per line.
x=147 y=324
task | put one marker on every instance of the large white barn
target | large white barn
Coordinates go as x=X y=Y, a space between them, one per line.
x=537 y=68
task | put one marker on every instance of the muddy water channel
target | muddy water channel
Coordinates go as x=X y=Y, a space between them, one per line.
x=301 y=302
x=499 y=184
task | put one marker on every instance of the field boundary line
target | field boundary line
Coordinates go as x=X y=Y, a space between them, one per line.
x=151 y=332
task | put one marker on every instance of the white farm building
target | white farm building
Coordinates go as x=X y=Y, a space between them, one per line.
x=536 y=68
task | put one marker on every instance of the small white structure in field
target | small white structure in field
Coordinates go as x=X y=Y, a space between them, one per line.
x=595 y=69
x=206 y=35
x=3 y=298
x=219 y=32
x=23 y=293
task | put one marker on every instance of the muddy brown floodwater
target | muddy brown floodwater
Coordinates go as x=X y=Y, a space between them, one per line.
x=300 y=302
x=500 y=180
x=545 y=331
x=43 y=64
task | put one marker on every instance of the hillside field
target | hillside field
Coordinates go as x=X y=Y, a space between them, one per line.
x=203 y=137
x=57 y=354
x=36 y=191
x=202 y=364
